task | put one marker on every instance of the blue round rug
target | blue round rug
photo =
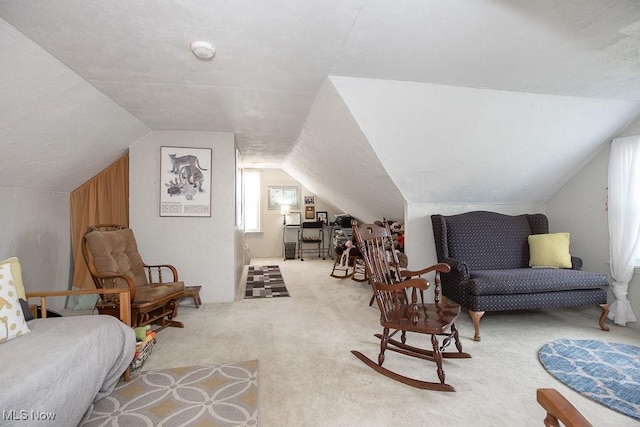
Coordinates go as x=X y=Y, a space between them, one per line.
x=606 y=372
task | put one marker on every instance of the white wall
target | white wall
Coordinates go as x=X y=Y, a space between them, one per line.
x=36 y=228
x=202 y=249
x=447 y=144
x=333 y=158
x=419 y=244
x=268 y=243
x=579 y=207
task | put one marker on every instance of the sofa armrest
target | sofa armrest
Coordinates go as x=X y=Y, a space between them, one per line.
x=576 y=263
x=458 y=268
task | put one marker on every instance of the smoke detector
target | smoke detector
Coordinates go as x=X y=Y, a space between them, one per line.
x=203 y=50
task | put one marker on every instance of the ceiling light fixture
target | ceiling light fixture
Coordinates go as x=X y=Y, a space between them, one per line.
x=203 y=50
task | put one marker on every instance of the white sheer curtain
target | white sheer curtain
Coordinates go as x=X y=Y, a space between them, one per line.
x=624 y=222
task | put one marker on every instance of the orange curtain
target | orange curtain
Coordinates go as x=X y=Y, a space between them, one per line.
x=104 y=199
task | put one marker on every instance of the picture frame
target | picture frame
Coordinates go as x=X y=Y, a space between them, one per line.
x=310 y=212
x=323 y=216
x=309 y=200
x=283 y=195
x=185 y=181
x=293 y=219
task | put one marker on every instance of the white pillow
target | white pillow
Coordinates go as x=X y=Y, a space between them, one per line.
x=12 y=323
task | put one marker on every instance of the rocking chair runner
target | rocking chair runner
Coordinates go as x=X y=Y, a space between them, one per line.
x=396 y=292
x=111 y=254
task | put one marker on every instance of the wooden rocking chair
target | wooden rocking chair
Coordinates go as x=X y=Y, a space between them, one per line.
x=396 y=293
x=111 y=254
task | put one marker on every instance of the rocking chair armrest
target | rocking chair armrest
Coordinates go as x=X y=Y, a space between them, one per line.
x=125 y=306
x=559 y=409
x=440 y=267
x=130 y=283
x=159 y=267
x=417 y=282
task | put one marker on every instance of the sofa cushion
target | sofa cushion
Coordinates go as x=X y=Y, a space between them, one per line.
x=549 y=250
x=532 y=280
x=489 y=240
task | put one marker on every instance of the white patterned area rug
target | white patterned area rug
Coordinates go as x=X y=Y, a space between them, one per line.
x=606 y=372
x=206 y=395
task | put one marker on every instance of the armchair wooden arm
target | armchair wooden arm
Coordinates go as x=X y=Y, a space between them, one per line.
x=416 y=283
x=125 y=305
x=559 y=409
x=440 y=268
x=158 y=270
x=102 y=282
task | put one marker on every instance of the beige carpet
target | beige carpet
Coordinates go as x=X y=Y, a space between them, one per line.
x=308 y=377
x=205 y=395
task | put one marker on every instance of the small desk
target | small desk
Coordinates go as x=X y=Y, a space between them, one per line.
x=311 y=233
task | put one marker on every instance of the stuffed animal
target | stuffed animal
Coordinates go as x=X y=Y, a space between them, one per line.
x=141 y=332
x=344 y=258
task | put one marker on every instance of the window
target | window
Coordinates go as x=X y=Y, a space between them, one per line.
x=623 y=200
x=252 y=221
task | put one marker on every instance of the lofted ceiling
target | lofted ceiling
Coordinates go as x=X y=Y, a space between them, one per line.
x=515 y=77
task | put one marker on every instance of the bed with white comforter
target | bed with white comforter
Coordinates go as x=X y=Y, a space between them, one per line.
x=54 y=374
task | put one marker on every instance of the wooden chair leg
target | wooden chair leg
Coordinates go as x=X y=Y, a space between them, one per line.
x=437 y=357
x=475 y=318
x=603 y=316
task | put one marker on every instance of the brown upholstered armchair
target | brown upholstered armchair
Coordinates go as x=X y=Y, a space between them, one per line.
x=111 y=254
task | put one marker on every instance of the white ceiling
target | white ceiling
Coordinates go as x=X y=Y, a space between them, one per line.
x=274 y=56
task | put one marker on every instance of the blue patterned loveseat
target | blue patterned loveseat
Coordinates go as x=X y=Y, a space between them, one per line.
x=489 y=257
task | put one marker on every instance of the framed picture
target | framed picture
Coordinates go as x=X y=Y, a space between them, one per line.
x=283 y=195
x=293 y=218
x=309 y=212
x=322 y=216
x=185 y=181
x=309 y=200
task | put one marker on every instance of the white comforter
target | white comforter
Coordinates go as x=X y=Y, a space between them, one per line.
x=54 y=374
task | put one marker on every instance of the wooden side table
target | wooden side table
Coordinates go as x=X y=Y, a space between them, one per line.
x=193 y=292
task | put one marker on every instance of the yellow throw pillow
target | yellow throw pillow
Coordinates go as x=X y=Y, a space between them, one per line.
x=12 y=322
x=549 y=250
x=16 y=272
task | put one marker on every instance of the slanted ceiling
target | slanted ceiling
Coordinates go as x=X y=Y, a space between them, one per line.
x=370 y=105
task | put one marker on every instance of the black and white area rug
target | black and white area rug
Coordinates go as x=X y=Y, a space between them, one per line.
x=265 y=281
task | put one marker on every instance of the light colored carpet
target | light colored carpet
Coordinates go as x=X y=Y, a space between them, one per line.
x=308 y=377
x=204 y=395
